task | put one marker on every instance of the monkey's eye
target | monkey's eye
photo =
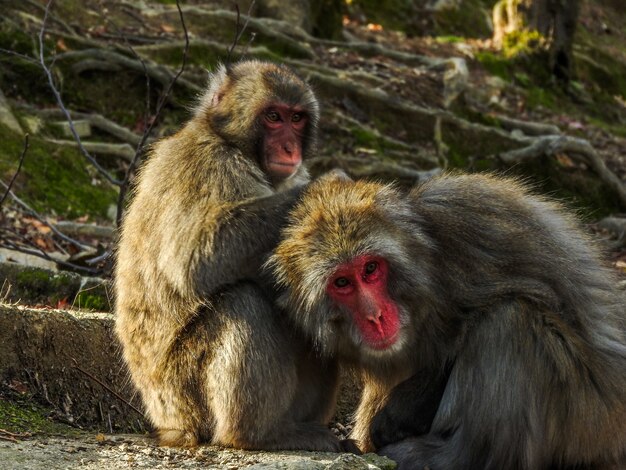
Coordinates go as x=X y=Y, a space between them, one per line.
x=272 y=116
x=371 y=267
x=297 y=117
x=341 y=282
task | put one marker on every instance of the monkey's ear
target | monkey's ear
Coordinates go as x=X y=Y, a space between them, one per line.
x=215 y=90
x=216 y=98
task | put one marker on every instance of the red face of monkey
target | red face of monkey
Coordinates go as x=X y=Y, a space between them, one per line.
x=361 y=287
x=282 y=144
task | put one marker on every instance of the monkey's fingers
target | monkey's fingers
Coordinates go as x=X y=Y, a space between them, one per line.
x=335 y=173
x=349 y=445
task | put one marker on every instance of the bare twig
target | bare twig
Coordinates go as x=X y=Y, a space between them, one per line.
x=139 y=18
x=245 y=49
x=55 y=18
x=38 y=252
x=36 y=215
x=133 y=164
x=13 y=436
x=239 y=30
x=106 y=387
x=21 y=56
x=19 y=168
x=59 y=100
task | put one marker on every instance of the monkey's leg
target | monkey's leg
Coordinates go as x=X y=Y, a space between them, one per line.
x=318 y=385
x=410 y=408
x=253 y=379
x=501 y=402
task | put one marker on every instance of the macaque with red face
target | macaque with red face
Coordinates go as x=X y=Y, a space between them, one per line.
x=206 y=345
x=489 y=333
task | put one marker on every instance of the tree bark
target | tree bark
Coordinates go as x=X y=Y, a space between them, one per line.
x=554 y=20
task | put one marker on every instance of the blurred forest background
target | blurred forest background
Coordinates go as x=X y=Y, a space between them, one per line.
x=409 y=88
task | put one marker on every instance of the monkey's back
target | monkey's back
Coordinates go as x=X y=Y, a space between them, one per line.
x=498 y=238
x=496 y=243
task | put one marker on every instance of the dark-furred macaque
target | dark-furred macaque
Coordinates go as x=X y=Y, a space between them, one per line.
x=480 y=300
x=205 y=344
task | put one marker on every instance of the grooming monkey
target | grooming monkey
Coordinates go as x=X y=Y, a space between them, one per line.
x=483 y=305
x=205 y=344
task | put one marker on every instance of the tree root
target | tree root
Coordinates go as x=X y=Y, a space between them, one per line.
x=578 y=149
x=124 y=151
x=527 y=127
x=95 y=58
x=96 y=120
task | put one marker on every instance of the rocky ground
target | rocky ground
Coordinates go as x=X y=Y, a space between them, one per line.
x=97 y=452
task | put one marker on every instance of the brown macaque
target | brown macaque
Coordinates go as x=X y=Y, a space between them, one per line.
x=489 y=333
x=213 y=357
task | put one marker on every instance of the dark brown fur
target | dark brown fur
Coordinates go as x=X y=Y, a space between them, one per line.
x=206 y=345
x=506 y=310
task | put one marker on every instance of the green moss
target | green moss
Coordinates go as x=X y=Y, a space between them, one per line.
x=470 y=18
x=495 y=64
x=22 y=415
x=94 y=295
x=92 y=302
x=537 y=96
x=391 y=14
x=525 y=42
x=449 y=39
x=364 y=138
x=54 y=179
x=36 y=286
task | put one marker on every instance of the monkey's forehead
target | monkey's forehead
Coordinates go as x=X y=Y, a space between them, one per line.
x=337 y=221
x=280 y=82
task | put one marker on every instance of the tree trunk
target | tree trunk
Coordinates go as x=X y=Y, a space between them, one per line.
x=554 y=20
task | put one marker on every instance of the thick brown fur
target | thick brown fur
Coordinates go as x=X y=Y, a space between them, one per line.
x=206 y=346
x=500 y=294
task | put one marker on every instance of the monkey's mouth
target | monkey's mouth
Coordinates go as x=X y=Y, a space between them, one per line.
x=384 y=343
x=282 y=169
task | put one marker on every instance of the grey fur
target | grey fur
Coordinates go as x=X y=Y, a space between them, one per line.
x=498 y=288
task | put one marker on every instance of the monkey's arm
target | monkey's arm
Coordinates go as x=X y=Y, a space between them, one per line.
x=243 y=241
x=410 y=409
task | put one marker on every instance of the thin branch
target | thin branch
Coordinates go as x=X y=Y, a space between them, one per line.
x=21 y=56
x=17 y=172
x=36 y=215
x=59 y=100
x=141 y=61
x=131 y=167
x=239 y=31
x=245 y=49
x=38 y=252
x=106 y=387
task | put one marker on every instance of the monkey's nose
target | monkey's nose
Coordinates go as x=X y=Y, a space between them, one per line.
x=376 y=319
x=288 y=148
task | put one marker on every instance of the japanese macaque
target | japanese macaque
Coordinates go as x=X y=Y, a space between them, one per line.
x=212 y=356
x=489 y=333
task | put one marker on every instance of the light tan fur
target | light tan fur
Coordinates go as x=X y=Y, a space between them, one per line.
x=213 y=357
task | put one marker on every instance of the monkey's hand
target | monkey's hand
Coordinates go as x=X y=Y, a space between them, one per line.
x=335 y=173
x=411 y=407
x=349 y=445
x=387 y=428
